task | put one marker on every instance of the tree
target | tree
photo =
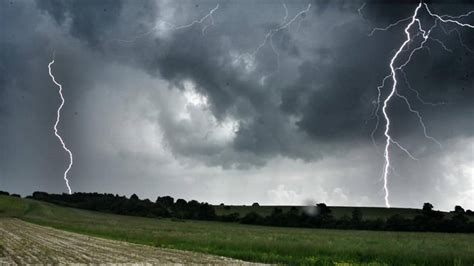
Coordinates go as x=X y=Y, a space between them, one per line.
x=206 y=212
x=323 y=210
x=276 y=217
x=180 y=209
x=356 y=216
x=427 y=207
x=397 y=222
x=38 y=195
x=181 y=203
x=255 y=204
x=232 y=217
x=459 y=223
x=293 y=217
x=252 y=218
x=134 y=197
x=165 y=201
x=458 y=209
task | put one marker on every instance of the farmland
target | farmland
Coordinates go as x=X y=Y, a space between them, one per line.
x=254 y=243
x=26 y=243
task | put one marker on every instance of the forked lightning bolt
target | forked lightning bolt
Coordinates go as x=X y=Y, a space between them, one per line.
x=268 y=38
x=58 y=116
x=269 y=35
x=397 y=67
x=171 y=26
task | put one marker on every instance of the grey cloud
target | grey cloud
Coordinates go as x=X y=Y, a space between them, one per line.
x=90 y=20
x=332 y=96
x=315 y=107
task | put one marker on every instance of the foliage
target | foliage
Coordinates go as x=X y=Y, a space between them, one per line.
x=426 y=220
x=458 y=209
x=163 y=207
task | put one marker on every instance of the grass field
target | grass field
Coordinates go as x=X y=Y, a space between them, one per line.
x=255 y=243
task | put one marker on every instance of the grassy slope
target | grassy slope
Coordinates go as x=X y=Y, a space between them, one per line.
x=254 y=243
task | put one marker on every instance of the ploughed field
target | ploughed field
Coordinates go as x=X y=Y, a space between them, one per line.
x=25 y=243
x=245 y=242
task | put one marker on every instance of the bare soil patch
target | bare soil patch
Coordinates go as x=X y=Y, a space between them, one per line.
x=25 y=243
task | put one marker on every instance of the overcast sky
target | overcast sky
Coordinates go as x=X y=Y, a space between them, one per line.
x=261 y=101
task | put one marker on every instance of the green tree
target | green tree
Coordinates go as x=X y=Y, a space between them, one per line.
x=356 y=216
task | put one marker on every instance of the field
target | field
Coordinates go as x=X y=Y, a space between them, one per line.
x=255 y=243
x=26 y=243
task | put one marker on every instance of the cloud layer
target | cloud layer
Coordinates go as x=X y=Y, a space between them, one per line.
x=159 y=101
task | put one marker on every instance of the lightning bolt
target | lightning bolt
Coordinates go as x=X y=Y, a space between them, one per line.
x=171 y=26
x=268 y=38
x=200 y=21
x=269 y=35
x=359 y=10
x=58 y=116
x=396 y=68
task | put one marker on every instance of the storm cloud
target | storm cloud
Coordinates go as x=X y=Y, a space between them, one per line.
x=156 y=108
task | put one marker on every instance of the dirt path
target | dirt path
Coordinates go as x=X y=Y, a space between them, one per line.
x=25 y=243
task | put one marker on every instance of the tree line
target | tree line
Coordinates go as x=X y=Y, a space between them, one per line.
x=165 y=207
x=427 y=219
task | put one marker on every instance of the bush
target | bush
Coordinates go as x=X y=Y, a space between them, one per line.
x=232 y=217
x=458 y=209
x=252 y=218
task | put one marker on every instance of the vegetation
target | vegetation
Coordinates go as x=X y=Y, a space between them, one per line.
x=369 y=213
x=163 y=207
x=29 y=244
x=319 y=216
x=255 y=243
x=427 y=220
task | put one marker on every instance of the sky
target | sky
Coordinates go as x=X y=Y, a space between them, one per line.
x=236 y=101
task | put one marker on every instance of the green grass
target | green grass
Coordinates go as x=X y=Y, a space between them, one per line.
x=255 y=243
x=11 y=206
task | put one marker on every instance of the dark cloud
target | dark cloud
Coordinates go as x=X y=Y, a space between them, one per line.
x=90 y=20
x=307 y=94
